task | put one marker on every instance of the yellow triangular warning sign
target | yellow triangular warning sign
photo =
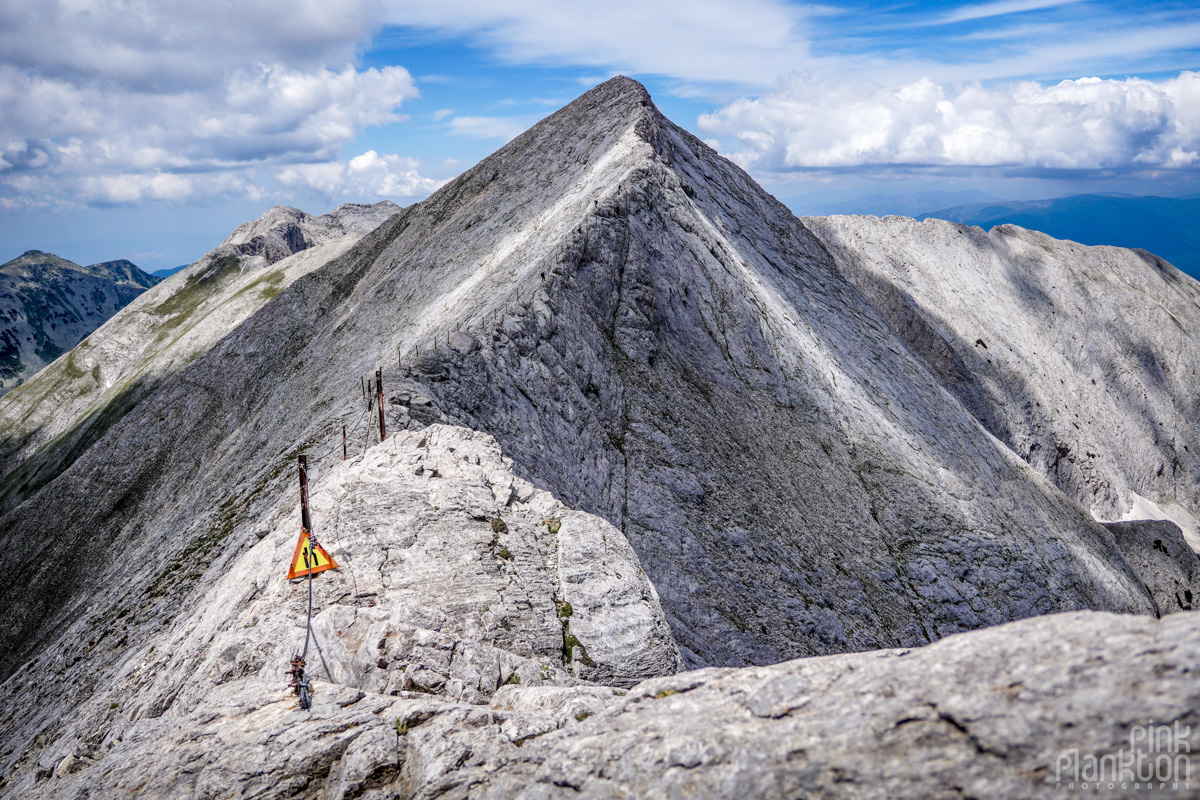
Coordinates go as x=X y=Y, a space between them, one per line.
x=309 y=558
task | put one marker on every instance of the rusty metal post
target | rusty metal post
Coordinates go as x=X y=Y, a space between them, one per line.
x=370 y=395
x=379 y=389
x=305 y=520
x=343 y=443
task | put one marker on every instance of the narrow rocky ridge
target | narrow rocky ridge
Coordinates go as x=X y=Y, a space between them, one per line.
x=66 y=407
x=455 y=578
x=696 y=342
x=691 y=367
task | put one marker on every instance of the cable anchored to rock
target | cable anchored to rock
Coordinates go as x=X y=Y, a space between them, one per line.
x=309 y=559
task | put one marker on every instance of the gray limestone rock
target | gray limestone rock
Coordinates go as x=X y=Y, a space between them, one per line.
x=57 y=414
x=455 y=579
x=1163 y=560
x=695 y=371
x=1032 y=709
x=464 y=548
x=1081 y=359
x=284 y=231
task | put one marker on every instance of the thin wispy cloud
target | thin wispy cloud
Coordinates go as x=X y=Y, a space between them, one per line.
x=1131 y=49
x=999 y=9
x=503 y=128
x=750 y=42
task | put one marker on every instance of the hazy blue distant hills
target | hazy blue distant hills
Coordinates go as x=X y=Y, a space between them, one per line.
x=905 y=204
x=1168 y=227
x=48 y=305
x=169 y=271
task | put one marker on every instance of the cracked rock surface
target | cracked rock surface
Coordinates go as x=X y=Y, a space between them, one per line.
x=455 y=579
x=994 y=713
x=1162 y=558
x=693 y=368
x=653 y=341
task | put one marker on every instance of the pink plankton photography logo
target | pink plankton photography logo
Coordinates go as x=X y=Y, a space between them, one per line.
x=1158 y=759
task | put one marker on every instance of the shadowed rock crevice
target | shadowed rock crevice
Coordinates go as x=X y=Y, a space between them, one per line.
x=1162 y=559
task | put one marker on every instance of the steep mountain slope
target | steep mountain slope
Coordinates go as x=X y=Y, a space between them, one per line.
x=1166 y=226
x=48 y=304
x=649 y=337
x=693 y=368
x=71 y=403
x=1083 y=360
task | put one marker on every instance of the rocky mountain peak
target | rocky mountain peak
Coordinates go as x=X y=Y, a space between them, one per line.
x=283 y=230
x=639 y=417
x=38 y=265
x=32 y=261
x=48 y=304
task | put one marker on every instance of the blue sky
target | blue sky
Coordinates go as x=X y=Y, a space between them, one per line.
x=149 y=130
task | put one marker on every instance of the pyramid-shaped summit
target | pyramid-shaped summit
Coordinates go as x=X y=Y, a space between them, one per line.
x=638 y=418
x=656 y=340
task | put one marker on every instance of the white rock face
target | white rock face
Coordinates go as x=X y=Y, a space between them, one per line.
x=455 y=578
x=692 y=368
x=484 y=557
x=1081 y=359
x=651 y=339
x=285 y=231
x=1146 y=509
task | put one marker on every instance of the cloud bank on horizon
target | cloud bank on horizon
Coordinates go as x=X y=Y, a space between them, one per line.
x=128 y=102
x=1085 y=126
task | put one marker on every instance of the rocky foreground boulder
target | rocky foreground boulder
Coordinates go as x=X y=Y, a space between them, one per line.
x=455 y=578
x=1047 y=707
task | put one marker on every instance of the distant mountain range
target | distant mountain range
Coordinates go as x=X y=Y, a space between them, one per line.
x=1168 y=227
x=48 y=305
x=169 y=271
x=879 y=204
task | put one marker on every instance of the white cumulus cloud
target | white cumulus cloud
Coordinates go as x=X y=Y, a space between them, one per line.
x=124 y=102
x=366 y=177
x=1085 y=124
